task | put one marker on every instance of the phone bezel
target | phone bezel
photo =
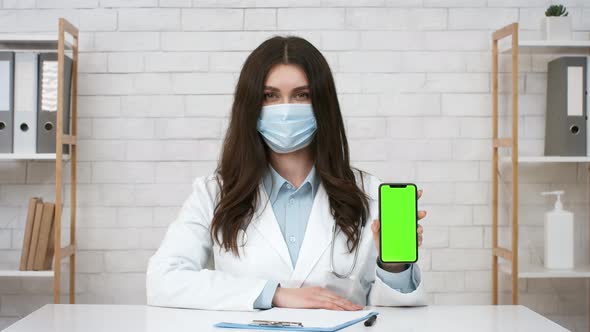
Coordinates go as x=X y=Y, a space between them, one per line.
x=416 y=221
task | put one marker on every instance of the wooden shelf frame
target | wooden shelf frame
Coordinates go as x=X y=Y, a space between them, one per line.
x=511 y=143
x=65 y=30
x=62 y=139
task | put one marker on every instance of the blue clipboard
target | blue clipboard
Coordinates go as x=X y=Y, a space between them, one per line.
x=294 y=328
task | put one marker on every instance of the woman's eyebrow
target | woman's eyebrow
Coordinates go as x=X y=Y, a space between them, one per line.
x=272 y=88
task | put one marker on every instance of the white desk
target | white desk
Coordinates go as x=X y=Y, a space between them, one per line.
x=131 y=318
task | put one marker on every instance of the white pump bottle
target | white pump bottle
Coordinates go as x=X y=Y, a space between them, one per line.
x=559 y=235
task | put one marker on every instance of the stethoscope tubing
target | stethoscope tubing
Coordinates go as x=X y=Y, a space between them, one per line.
x=356 y=252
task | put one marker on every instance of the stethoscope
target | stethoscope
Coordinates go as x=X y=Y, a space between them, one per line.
x=356 y=253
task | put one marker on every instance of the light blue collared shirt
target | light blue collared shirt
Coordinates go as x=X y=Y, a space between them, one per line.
x=292 y=207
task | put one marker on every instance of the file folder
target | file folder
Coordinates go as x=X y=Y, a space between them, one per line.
x=6 y=101
x=47 y=101
x=25 y=102
x=587 y=107
x=311 y=319
x=566 y=118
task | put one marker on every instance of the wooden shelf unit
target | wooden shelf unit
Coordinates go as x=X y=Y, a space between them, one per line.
x=505 y=142
x=511 y=266
x=67 y=39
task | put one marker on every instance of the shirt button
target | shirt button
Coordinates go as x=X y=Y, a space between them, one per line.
x=292 y=238
x=289 y=186
x=291 y=201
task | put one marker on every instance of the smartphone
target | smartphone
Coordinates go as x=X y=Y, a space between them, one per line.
x=398 y=212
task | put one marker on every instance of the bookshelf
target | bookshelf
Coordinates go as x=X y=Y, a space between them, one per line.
x=506 y=40
x=548 y=159
x=549 y=46
x=531 y=271
x=66 y=39
x=32 y=156
x=18 y=273
x=33 y=42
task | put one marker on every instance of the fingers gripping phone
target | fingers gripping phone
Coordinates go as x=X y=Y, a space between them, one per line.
x=398 y=213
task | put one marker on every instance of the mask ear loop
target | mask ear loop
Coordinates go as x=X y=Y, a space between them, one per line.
x=356 y=252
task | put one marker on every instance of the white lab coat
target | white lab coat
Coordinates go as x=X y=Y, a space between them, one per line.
x=190 y=270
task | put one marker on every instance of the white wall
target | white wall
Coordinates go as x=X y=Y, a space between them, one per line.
x=156 y=83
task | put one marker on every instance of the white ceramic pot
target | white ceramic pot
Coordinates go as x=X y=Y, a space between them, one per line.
x=558 y=27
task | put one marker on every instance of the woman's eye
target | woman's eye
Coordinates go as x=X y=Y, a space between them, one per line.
x=303 y=95
x=269 y=95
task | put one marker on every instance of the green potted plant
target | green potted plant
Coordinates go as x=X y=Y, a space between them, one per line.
x=557 y=23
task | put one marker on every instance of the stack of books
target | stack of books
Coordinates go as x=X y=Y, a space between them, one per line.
x=38 y=242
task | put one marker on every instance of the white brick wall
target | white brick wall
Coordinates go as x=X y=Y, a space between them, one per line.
x=413 y=77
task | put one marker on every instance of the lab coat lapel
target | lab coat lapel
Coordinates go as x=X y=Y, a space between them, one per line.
x=318 y=236
x=267 y=225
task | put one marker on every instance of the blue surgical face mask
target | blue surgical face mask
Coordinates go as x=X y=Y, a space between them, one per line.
x=287 y=127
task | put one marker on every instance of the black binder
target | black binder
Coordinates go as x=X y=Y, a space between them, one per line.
x=47 y=101
x=566 y=118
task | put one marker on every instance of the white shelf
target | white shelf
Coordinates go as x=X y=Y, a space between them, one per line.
x=31 y=156
x=547 y=159
x=18 y=273
x=528 y=271
x=550 y=46
x=31 y=42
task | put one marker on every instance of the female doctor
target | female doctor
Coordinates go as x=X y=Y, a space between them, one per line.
x=282 y=220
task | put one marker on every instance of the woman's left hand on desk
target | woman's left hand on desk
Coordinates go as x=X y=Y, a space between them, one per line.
x=397 y=267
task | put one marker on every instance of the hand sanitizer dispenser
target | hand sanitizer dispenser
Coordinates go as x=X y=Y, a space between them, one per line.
x=559 y=235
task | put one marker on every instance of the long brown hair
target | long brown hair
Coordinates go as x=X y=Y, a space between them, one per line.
x=245 y=157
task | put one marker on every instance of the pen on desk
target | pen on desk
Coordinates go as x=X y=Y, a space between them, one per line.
x=371 y=320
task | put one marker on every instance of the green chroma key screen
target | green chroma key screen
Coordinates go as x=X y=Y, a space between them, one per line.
x=398 y=209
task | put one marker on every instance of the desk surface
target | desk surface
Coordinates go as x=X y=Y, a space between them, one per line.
x=131 y=318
